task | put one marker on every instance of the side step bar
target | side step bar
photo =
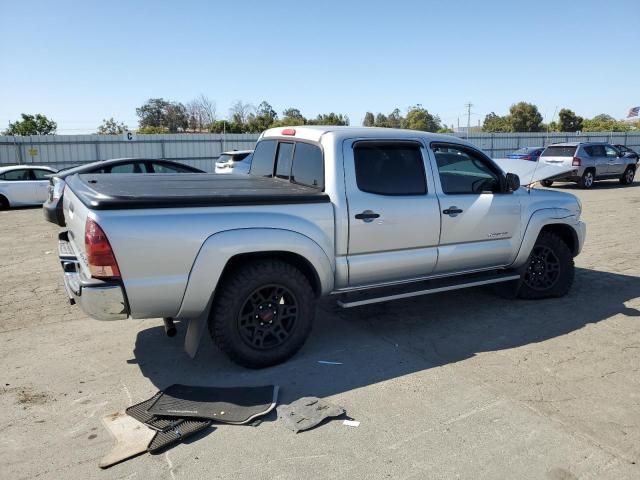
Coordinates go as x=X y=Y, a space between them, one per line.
x=425 y=287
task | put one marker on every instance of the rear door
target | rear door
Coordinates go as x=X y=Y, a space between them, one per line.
x=394 y=216
x=598 y=159
x=481 y=225
x=40 y=178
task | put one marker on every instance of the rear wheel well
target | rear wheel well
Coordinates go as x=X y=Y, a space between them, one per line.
x=4 y=201
x=566 y=233
x=293 y=259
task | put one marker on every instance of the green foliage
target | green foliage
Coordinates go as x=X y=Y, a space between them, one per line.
x=418 y=118
x=329 y=119
x=605 y=123
x=264 y=118
x=32 y=125
x=111 y=127
x=369 y=120
x=381 y=120
x=152 y=130
x=525 y=117
x=495 y=123
x=157 y=112
x=568 y=121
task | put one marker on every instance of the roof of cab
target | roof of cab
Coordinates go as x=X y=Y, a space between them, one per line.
x=316 y=132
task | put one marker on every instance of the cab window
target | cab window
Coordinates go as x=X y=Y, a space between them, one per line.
x=464 y=171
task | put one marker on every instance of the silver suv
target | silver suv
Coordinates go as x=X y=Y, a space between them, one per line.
x=593 y=161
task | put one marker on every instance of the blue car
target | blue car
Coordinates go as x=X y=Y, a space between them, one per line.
x=527 y=153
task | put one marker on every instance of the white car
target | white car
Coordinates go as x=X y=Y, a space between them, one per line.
x=24 y=185
x=237 y=161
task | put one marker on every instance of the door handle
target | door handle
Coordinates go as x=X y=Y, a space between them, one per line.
x=452 y=211
x=367 y=216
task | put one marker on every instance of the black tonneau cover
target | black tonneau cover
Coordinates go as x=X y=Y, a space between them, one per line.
x=127 y=191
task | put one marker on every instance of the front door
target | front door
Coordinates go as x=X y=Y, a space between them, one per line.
x=615 y=163
x=480 y=224
x=394 y=216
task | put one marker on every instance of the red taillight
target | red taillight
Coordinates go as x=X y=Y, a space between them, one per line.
x=289 y=131
x=577 y=161
x=102 y=262
x=526 y=157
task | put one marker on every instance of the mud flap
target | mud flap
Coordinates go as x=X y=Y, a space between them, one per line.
x=195 y=330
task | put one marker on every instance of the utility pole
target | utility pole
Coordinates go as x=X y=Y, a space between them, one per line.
x=468 y=105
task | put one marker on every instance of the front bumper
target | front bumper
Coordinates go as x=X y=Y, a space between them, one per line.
x=102 y=300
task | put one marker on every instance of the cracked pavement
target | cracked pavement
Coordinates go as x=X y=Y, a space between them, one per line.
x=459 y=385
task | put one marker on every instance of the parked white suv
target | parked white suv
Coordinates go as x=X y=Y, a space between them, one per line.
x=237 y=161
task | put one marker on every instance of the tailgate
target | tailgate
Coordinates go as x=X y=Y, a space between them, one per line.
x=561 y=155
x=75 y=215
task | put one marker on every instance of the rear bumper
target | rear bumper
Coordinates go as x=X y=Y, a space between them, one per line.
x=102 y=300
x=53 y=213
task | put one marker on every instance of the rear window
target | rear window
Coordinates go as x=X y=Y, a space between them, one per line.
x=263 y=158
x=283 y=163
x=389 y=169
x=557 y=151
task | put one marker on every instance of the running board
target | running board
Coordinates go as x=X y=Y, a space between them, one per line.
x=425 y=287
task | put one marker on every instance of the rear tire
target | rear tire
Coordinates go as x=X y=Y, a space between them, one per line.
x=587 y=180
x=262 y=313
x=546 y=183
x=627 y=176
x=549 y=271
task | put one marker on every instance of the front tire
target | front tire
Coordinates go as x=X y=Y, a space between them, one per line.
x=587 y=180
x=549 y=271
x=262 y=313
x=546 y=183
x=627 y=176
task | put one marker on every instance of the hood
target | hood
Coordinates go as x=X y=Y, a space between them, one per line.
x=531 y=172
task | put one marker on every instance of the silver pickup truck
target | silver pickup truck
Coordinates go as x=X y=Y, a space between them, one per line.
x=363 y=214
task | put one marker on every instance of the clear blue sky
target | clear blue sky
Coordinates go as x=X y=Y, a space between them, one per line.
x=81 y=61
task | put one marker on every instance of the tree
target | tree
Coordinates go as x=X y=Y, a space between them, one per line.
x=201 y=113
x=239 y=112
x=264 y=118
x=152 y=113
x=568 y=121
x=418 y=118
x=495 y=123
x=605 y=123
x=369 y=120
x=160 y=113
x=525 y=117
x=290 y=116
x=32 y=125
x=111 y=127
x=381 y=120
x=395 y=120
x=330 y=119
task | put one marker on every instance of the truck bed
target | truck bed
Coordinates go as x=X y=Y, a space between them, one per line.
x=129 y=191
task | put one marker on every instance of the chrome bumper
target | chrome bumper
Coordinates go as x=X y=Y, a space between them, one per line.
x=102 y=300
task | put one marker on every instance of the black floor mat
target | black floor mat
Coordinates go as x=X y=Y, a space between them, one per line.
x=176 y=434
x=140 y=413
x=236 y=405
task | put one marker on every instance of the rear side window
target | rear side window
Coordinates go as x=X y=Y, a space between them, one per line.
x=559 y=151
x=308 y=168
x=168 y=168
x=263 y=158
x=126 y=168
x=389 y=168
x=39 y=174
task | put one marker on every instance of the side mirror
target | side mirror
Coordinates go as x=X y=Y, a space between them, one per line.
x=513 y=182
